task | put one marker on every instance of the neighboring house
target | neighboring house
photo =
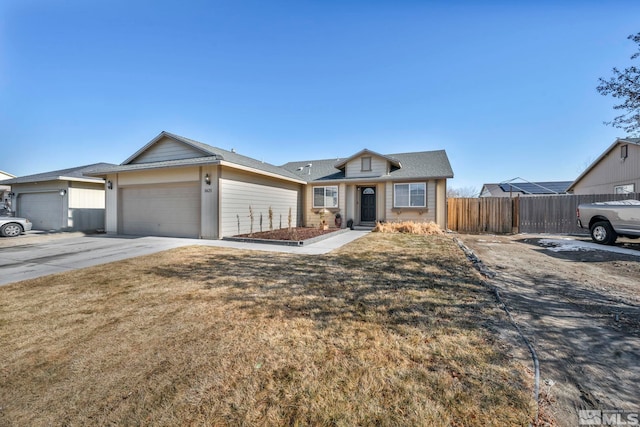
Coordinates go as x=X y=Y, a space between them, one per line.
x=5 y=200
x=519 y=187
x=616 y=171
x=175 y=186
x=60 y=200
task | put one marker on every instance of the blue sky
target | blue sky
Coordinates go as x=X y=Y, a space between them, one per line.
x=506 y=88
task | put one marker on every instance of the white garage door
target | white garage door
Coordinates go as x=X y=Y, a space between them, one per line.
x=161 y=210
x=44 y=210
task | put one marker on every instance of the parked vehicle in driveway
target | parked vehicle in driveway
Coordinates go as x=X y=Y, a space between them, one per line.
x=12 y=226
x=5 y=210
x=608 y=220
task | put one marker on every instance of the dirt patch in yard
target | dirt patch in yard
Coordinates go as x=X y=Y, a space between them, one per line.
x=581 y=311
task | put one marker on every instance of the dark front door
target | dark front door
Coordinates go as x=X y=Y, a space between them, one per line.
x=368 y=205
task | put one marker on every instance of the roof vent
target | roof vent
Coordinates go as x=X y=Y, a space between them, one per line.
x=308 y=166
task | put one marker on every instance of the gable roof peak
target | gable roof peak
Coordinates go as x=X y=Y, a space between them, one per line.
x=618 y=141
x=206 y=150
x=629 y=139
x=342 y=163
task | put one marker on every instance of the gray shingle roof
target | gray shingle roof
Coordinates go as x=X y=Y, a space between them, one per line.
x=62 y=174
x=212 y=155
x=422 y=164
x=341 y=163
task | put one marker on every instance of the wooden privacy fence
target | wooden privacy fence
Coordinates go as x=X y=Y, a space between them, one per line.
x=481 y=215
x=534 y=214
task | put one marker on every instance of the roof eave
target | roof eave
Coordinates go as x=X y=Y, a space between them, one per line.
x=261 y=172
x=342 y=163
x=595 y=163
x=148 y=166
x=385 y=178
x=213 y=161
x=77 y=179
x=19 y=181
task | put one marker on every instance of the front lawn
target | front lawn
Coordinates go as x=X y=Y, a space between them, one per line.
x=390 y=330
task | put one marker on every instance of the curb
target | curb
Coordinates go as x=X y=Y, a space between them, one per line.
x=287 y=242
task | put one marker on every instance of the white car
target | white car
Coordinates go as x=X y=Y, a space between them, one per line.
x=12 y=227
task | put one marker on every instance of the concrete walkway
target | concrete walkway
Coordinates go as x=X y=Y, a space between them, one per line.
x=36 y=255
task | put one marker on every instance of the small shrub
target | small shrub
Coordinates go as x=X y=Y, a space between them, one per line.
x=410 y=227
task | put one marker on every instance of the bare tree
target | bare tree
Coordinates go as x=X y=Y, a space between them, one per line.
x=462 y=192
x=625 y=86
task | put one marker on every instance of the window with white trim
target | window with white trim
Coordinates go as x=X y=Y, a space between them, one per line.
x=410 y=195
x=325 y=197
x=366 y=164
x=624 y=189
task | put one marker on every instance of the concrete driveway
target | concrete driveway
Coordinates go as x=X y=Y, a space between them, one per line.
x=32 y=255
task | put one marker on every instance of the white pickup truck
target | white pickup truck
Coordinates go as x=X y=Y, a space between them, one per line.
x=608 y=220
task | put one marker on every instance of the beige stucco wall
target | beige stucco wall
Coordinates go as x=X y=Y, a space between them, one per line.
x=312 y=216
x=159 y=176
x=210 y=203
x=111 y=203
x=422 y=214
x=441 y=203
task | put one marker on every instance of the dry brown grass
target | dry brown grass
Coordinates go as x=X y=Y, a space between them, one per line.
x=411 y=227
x=391 y=330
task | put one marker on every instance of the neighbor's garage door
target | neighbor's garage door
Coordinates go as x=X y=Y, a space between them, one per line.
x=44 y=210
x=161 y=210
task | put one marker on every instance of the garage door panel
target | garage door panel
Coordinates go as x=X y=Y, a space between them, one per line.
x=168 y=210
x=44 y=210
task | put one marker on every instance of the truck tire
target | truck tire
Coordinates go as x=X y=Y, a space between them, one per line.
x=603 y=233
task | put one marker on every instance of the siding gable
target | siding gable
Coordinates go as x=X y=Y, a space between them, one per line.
x=379 y=167
x=612 y=170
x=167 y=149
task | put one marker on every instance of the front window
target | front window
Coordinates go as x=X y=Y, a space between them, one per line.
x=624 y=189
x=325 y=197
x=410 y=195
